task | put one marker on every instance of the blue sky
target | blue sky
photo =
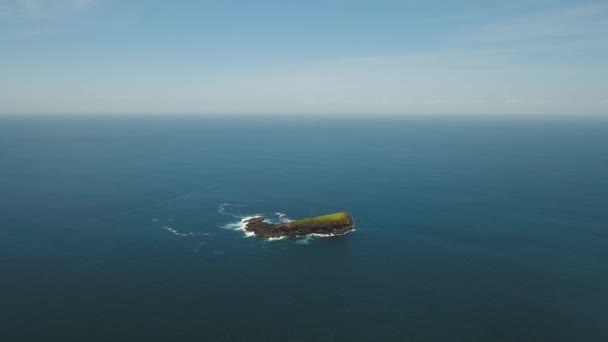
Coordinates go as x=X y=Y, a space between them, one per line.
x=397 y=57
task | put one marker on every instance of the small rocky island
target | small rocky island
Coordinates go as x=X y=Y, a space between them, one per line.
x=327 y=225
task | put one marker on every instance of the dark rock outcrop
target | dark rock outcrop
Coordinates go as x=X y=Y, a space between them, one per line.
x=329 y=225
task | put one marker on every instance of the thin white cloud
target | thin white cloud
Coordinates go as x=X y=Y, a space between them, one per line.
x=513 y=101
x=436 y=101
x=29 y=5
x=24 y=32
x=576 y=21
x=29 y=18
x=21 y=10
x=4 y=11
x=463 y=75
x=82 y=4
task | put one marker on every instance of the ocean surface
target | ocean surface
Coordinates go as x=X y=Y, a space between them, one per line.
x=126 y=228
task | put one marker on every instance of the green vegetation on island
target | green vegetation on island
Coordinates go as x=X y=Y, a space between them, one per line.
x=340 y=217
x=329 y=225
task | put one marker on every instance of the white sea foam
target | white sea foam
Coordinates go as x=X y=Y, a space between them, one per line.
x=223 y=209
x=333 y=235
x=276 y=239
x=282 y=218
x=176 y=233
x=182 y=234
x=330 y=235
x=305 y=240
x=241 y=225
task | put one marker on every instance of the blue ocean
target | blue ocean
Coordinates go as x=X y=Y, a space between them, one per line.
x=128 y=228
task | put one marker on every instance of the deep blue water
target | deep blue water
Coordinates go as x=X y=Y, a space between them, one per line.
x=467 y=229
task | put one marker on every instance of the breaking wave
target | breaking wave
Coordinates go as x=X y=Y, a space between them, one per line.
x=282 y=218
x=276 y=239
x=224 y=209
x=240 y=225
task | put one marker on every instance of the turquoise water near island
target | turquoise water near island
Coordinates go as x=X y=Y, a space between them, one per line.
x=467 y=229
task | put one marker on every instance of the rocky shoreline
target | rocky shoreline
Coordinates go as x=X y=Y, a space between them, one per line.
x=322 y=225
